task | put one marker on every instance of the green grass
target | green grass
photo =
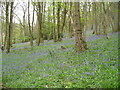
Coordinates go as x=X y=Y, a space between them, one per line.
x=44 y=65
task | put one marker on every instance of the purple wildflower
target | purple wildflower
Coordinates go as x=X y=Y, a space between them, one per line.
x=86 y=63
x=62 y=64
x=89 y=73
x=105 y=59
x=82 y=76
x=18 y=71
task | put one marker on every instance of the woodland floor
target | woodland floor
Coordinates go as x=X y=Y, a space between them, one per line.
x=47 y=66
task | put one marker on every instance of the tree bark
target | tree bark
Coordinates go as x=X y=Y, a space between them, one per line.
x=95 y=18
x=7 y=25
x=33 y=19
x=85 y=20
x=10 y=29
x=80 y=43
x=39 y=18
x=24 y=25
x=118 y=16
x=54 y=31
x=64 y=19
x=31 y=35
x=69 y=16
x=58 y=21
x=105 y=22
x=2 y=29
x=115 y=16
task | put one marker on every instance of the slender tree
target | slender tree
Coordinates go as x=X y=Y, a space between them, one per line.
x=85 y=20
x=115 y=17
x=31 y=34
x=24 y=8
x=10 y=28
x=33 y=18
x=2 y=25
x=58 y=20
x=118 y=16
x=69 y=18
x=64 y=19
x=95 y=18
x=54 y=31
x=7 y=24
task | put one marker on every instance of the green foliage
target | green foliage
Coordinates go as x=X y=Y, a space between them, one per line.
x=33 y=3
x=47 y=29
x=82 y=20
x=25 y=38
x=52 y=6
x=47 y=65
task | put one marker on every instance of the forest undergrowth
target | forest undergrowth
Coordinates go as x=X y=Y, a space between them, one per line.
x=48 y=66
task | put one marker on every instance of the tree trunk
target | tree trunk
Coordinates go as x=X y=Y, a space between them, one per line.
x=58 y=21
x=31 y=35
x=10 y=29
x=24 y=25
x=69 y=16
x=49 y=21
x=54 y=31
x=95 y=18
x=2 y=29
x=64 y=19
x=118 y=16
x=39 y=18
x=105 y=22
x=115 y=16
x=33 y=20
x=85 y=20
x=42 y=39
x=80 y=43
x=7 y=25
